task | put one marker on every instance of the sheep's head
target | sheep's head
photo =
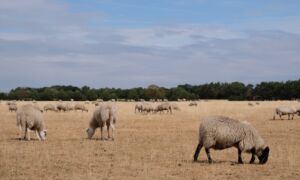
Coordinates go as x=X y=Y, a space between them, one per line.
x=43 y=134
x=263 y=155
x=90 y=132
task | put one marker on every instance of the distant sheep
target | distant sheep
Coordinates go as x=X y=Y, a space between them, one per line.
x=50 y=107
x=138 y=107
x=103 y=115
x=220 y=132
x=30 y=117
x=61 y=107
x=193 y=104
x=285 y=110
x=80 y=107
x=250 y=104
x=12 y=108
x=164 y=107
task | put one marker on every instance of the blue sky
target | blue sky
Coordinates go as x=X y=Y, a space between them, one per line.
x=120 y=43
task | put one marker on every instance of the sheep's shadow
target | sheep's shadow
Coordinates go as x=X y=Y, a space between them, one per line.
x=205 y=162
x=23 y=140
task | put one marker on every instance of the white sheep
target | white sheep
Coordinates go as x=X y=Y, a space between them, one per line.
x=50 y=107
x=61 y=107
x=164 y=106
x=80 y=107
x=103 y=115
x=12 y=107
x=285 y=110
x=29 y=118
x=193 y=104
x=138 y=107
x=220 y=132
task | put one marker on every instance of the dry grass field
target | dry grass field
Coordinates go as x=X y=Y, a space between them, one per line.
x=147 y=146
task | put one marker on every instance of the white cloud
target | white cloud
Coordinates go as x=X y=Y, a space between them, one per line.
x=53 y=46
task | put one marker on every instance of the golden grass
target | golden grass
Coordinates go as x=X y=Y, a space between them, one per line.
x=147 y=146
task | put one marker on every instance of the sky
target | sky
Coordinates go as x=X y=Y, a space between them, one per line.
x=126 y=44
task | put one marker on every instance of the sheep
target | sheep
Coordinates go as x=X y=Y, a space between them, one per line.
x=69 y=107
x=193 y=104
x=80 y=107
x=61 y=107
x=103 y=115
x=12 y=108
x=138 y=107
x=219 y=132
x=147 y=108
x=30 y=117
x=50 y=107
x=250 y=104
x=164 y=106
x=285 y=110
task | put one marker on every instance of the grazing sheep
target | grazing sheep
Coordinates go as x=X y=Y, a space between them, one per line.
x=12 y=108
x=103 y=115
x=193 y=104
x=30 y=117
x=61 y=107
x=164 y=106
x=147 y=108
x=50 y=107
x=220 y=132
x=69 y=107
x=285 y=110
x=250 y=104
x=80 y=107
x=138 y=107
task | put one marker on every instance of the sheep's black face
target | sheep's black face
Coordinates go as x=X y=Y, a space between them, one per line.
x=263 y=158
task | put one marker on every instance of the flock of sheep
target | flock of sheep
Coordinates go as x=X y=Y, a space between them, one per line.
x=217 y=132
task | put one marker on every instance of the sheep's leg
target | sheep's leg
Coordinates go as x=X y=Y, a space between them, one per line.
x=101 y=129
x=288 y=116
x=280 y=116
x=108 y=133
x=112 y=132
x=292 y=116
x=20 y=132
x=240 y=156
x=197 y=151
x=38 y=135
x=208 y=155
x=253 y=156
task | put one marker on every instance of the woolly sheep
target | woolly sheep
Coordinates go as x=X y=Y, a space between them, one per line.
x=220 y=132
x=175 y=106
x=80 y=107
x=61 y=107
x=12 y=107
x=193 y=104
x=138 y=107
x=164 y=106
x=30 y=117
x=103 y=115
x=50 y=107
x=69 y=107
x=285 y=110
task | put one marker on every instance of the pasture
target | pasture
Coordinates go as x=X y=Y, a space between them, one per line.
x=153 y=146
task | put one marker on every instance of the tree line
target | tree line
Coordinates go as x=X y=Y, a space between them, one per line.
x=216 y=90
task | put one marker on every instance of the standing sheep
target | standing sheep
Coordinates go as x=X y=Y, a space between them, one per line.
x=285 y=110
x=220 y=132
x=80 y=107
x=164 y=106
x=61 y=107
x=103 y=115
x=30 y=117
x=193 y=104
x=12 y=107
x=50 y=107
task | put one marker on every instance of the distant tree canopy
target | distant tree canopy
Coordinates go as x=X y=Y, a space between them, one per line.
x=232 y=91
